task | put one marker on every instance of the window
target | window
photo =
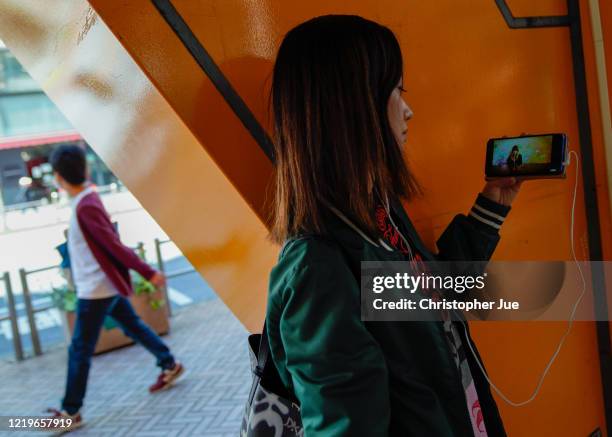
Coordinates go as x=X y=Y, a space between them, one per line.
x=13 y=78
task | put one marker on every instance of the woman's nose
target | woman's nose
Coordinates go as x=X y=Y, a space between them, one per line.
x=408 y=113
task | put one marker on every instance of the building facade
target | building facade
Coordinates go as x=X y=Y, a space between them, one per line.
x=30 y=127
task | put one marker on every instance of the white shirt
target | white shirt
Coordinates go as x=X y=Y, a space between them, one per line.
x=89 y=279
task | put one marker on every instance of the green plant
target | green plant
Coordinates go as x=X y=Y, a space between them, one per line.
x=144 y=287
x=64 y=298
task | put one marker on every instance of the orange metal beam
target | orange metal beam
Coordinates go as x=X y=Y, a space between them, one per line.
x=125 y=117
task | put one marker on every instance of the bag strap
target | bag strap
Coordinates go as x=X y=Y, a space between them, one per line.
x=263 y=353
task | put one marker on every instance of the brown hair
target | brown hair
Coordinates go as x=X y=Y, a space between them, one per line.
x=331 y=84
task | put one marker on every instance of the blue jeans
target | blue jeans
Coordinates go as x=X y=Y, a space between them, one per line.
x=89 y=320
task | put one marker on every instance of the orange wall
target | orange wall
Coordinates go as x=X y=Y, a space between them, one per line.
x=468 y=77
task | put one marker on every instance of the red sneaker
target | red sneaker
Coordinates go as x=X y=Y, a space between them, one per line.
x=167 y=378
x=66 y=422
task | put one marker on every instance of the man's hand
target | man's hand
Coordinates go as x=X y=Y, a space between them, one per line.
x=502 y=190
x=158 y=280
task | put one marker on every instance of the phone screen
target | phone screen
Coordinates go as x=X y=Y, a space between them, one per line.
x=522 y=156
x=528 y=156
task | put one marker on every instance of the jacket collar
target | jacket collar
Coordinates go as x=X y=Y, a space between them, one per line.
x=352 y=238
x=398 y=208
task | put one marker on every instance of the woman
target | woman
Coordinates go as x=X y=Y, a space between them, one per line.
x=514 y=160
x=340 y=123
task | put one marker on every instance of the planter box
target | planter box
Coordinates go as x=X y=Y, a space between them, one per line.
x=114 y=338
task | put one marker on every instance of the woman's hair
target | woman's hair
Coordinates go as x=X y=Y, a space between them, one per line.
x=514 y=148
x=331 y=84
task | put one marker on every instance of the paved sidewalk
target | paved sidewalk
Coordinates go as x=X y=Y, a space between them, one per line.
x=207 y=401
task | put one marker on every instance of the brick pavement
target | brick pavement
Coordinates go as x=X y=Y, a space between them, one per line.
x=207 y=401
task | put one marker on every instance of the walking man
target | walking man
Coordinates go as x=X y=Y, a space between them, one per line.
x=100 y=266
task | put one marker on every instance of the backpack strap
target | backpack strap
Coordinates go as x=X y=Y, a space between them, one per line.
x=263 y=353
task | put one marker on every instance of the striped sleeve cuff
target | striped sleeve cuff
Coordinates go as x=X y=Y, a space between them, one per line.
x=489 y=213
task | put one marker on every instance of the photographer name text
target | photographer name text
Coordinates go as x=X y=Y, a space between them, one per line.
x=444 y=304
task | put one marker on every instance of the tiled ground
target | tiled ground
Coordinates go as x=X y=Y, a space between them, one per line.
x=208 y=400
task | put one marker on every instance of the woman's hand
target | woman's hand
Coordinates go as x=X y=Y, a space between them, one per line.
x=502 y=190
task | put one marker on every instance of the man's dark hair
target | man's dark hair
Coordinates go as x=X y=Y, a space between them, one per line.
x=69 y=162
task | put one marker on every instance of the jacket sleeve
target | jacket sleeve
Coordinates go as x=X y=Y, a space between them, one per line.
x=475 y=236
x=337 y=369
x=97 y=225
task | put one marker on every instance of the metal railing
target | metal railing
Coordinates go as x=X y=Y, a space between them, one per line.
x=31 y=311
x=27 y=300
x=30 y=204
x=5 y=210
x=12 y=316
x=162 y=268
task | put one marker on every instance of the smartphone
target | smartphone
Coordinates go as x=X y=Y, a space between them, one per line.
x=527 y=157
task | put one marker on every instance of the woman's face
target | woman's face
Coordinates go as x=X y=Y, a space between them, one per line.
x=399 y=113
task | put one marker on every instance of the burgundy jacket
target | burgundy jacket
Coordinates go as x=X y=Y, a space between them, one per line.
x=114 y=258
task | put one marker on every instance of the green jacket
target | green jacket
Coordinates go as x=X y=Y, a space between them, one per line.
x=355 y=378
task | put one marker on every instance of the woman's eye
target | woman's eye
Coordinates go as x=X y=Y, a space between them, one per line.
x=401 y=89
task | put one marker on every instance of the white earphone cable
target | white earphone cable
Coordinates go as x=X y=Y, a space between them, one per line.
x=572 y=314
x=570 y=321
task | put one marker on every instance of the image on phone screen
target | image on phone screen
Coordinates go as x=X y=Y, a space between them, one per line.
x=522 y=156
x=533 y=156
